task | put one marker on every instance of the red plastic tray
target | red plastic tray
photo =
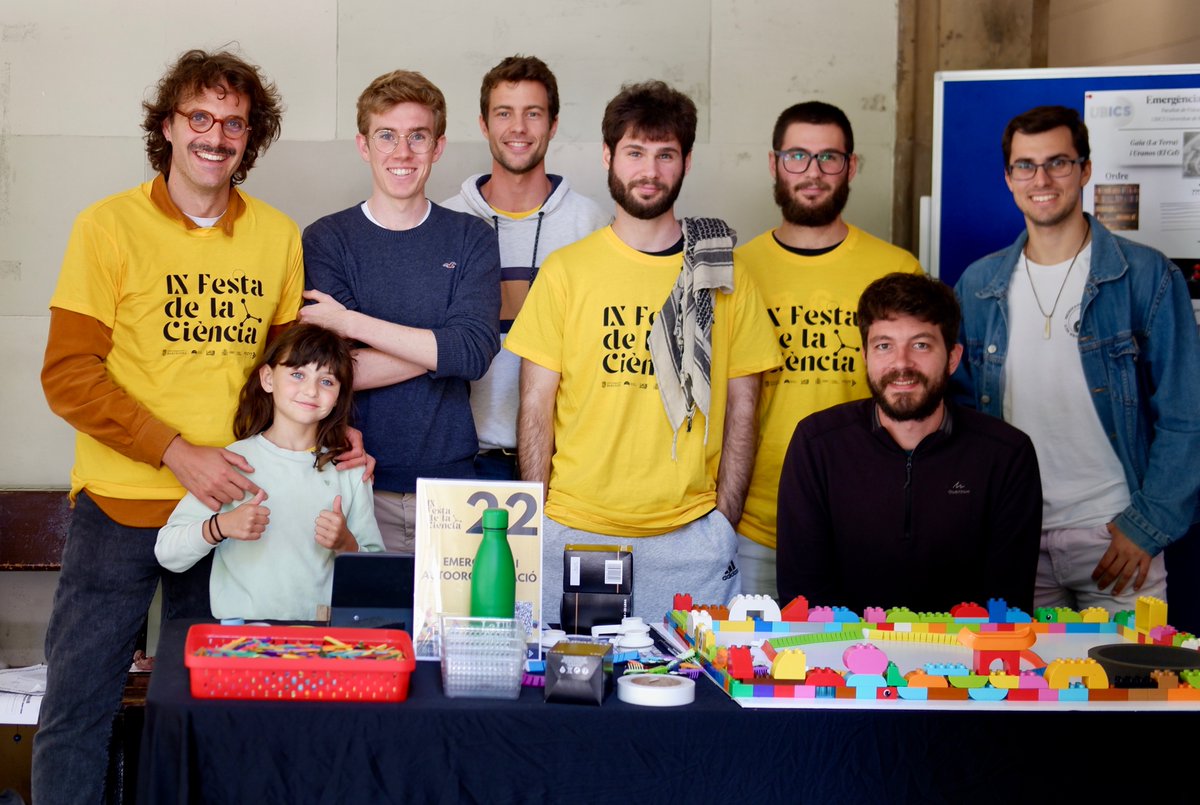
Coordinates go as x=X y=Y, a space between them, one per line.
x=329 y=680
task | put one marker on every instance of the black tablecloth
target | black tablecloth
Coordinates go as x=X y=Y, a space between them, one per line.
x=433 y=749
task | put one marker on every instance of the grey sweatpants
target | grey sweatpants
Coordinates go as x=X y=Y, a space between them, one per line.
x=699 y=558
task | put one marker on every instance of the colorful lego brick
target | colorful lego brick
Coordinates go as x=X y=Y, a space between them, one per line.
x=1124 y=617
x=743 y=626
x=887 y=692
x=1048 y=695
x=864 y=658
x=844 y=615
x=901 y=615
x=743 y=607
x=968 y=610
x=705 y=643
x=946 y=669
x=790 y=665
x=1023 y=695
x=1094 y=615
x=824 y=678
x=920 y=679
x=934 y=617
x=820 y=615
x=740 y=666
x=865 y=684
x=894 y=678
x=740 y=690
x=967 y=681
x=987 y=694
x=1148 y=613
x=1108 y=695
x=1059 y=673
x=682 y=601
x=1030 y=680
x=696 y=618
x=913 y=694
x=1003 y=680
x=908 y=636
x=796 y=611
x=874 y=615
x=1191 y=676
x=1183 y=694
x=997 y=609
x=1165 y=680
x=1016 y=615
x=1162 y=635
x=1073 y=694
x=720 y=658
x=948 y=694
x=1186 y=640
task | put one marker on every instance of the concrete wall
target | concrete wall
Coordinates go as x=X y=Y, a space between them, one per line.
x=73 y=74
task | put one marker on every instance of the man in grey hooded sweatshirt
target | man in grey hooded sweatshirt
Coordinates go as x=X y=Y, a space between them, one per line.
x=533 y=214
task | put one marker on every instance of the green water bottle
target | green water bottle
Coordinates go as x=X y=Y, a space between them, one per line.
x=494 y=574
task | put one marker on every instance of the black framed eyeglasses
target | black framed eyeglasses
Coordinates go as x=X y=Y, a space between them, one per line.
x=830 y=163
x=387 y=141
x=1060 y=167
x=201 y=121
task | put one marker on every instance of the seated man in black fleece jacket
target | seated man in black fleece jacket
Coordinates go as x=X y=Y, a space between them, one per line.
x=905 y=499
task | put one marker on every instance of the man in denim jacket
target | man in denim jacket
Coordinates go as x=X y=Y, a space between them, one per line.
x=1088 y=343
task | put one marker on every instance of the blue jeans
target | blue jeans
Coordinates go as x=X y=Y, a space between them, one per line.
x=108 y=579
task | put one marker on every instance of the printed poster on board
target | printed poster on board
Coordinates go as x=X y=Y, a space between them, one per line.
x=449 y=528
x=1146 y=167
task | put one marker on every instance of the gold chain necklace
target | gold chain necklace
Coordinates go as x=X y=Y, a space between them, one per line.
x=1058 y=296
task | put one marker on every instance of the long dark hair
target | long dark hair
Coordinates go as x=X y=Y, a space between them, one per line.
x=300 y=346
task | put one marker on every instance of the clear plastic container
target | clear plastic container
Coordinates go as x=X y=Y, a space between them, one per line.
x=482 y=658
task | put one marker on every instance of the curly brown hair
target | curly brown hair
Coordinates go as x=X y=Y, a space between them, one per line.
x=222 y=72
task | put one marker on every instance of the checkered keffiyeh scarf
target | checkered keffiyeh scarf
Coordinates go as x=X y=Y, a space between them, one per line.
x=681 y=337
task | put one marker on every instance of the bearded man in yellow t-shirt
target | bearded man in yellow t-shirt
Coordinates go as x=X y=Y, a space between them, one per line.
x=810 y=270
x=642 y=347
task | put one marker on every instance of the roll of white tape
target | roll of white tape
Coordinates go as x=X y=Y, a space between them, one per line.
x=656 y=690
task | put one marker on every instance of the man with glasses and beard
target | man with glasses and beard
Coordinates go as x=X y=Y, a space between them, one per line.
x=642 y=346
x=810 y=271
x=905 y=499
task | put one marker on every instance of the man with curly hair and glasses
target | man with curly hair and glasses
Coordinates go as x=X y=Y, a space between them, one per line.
x=168 y=294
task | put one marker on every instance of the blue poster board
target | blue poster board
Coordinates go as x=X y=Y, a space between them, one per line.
x=973 y=212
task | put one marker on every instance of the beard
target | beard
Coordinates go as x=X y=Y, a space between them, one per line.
x=823 y=214
x=645 y=211
x=913 y=406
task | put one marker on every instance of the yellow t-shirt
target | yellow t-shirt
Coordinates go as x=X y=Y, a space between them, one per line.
x=588 y=318
x=189 y=310
x=813 y=304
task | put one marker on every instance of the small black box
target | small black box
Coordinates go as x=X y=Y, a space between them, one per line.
x=579 y=673
x=598 y=569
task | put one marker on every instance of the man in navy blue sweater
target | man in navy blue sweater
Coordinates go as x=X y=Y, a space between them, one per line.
x=418 y=288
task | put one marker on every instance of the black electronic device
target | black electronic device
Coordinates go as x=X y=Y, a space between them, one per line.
x=373 y=591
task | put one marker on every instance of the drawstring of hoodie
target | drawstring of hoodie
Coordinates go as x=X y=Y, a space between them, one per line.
x=537 y=236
